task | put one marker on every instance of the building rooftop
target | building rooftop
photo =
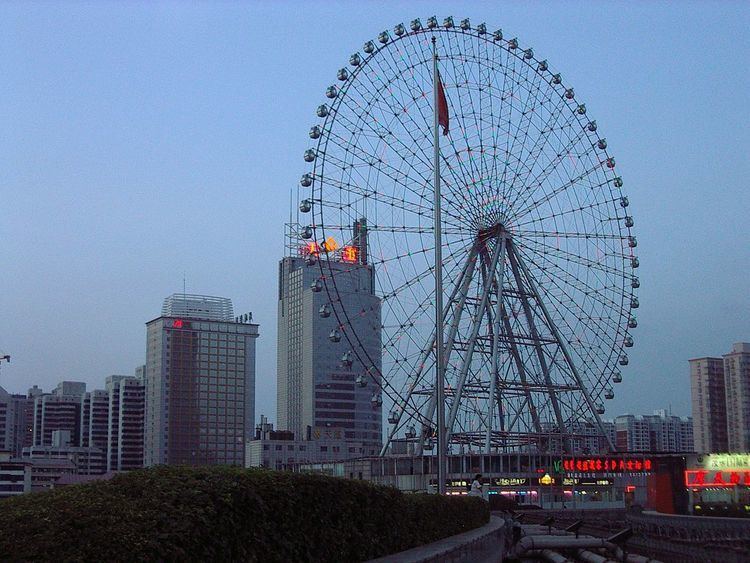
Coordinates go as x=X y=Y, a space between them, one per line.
x=193 y=306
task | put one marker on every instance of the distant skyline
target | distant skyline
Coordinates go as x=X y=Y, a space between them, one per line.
x=142 y=142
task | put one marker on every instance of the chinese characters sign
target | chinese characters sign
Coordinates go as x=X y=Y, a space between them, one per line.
x=725 y=478
x=607 y=465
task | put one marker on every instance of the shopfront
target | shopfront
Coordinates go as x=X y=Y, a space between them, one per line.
x=719 y=485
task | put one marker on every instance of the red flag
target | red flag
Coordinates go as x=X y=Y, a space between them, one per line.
x=442 y=106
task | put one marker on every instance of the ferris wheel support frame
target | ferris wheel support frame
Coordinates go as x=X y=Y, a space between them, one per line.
x=568 y=359
x=493 y=276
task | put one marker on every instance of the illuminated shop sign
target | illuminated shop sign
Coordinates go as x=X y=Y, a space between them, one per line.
x=348 y=253
x=572 y=481
x=606 y=465
x=725 y=478
x=453 y=482
x=510 y=481
x=179 y=323
x=727 y=461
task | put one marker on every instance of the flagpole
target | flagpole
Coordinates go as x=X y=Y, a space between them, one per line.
x=439 y=345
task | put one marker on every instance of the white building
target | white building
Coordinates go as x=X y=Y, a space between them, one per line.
x=279 y=450
x=737 y=385
x=659 y=432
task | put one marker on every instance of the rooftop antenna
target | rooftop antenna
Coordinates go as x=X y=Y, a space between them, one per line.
x=184 y=285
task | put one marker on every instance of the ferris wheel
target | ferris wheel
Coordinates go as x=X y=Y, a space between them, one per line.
x=537 y=241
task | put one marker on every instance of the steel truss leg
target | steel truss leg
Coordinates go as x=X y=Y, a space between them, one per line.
x=469 y=268
x=521 y=374
x=461 y=285
x=569 y=360
x=476 y=325
x=496 y=346
x=537 y=345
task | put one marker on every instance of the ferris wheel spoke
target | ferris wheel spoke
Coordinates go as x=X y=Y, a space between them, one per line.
x=533 y=234
x=595 y=326
x=414 y=125
x=523 y=124
x=578 y=259
x=554 y=165
x=567 y=212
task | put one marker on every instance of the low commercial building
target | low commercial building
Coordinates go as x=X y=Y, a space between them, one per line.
x=86 y=461
x=546 y=480
x=15 y=475
x=278 y=449
x=718 y=484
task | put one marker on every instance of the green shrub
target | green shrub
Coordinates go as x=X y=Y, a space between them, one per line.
x=223 y=513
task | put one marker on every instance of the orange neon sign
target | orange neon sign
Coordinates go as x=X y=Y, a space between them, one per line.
x=330 y=244
x=310 y=249
x=349 y=254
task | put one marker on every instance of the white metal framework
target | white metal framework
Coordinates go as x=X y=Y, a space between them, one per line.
x=537 y=241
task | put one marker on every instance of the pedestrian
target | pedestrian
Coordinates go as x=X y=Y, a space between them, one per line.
x=476 y=486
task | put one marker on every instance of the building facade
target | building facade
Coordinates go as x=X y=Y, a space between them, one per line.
x=737 y=385
x=15 y=475
x=62 y=452
x=324 y=391
x=659 y=432
x=709 y=404
x=60 y=410
x=126 y=429
x=95 y=419
x=200 y=385
x=281 y=451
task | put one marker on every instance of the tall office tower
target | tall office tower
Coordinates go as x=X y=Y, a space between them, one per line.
x=60 y=410
x=709 y=405
x=200 y=384
x=112 y=386
x=126 y=400
x=95 y=419
x=198 y=307
x=737 y=385
x=323 y=390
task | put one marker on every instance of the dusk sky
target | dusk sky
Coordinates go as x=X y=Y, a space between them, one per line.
x=143 y=141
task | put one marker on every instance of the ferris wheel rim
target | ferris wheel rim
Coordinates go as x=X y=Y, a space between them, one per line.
x=321 y=150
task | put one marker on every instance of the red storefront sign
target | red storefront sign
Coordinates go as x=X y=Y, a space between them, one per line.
x=607 y=465
x=726 y=478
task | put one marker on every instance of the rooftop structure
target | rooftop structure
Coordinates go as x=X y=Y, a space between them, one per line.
x=198 y=307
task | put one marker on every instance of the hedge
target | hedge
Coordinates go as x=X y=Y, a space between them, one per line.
x=224 y=513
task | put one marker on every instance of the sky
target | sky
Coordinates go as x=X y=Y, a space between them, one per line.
x=146 y=143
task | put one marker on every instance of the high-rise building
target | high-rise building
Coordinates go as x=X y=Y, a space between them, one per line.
x=6 y=425
x=94 y=419
x=323 y=390
x=660 y=432
x=585 y=437
x=112 y=386
x=737 y=394
x=60 y=410
x=709 y=404
x=127 y=398
x=200 y=383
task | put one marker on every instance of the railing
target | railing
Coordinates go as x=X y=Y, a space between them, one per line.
x=692 y=538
